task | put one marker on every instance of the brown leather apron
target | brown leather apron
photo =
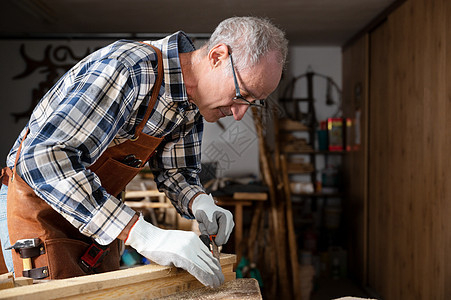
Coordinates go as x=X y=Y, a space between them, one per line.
x=29 y=216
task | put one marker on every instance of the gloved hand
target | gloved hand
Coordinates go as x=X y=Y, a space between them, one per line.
x=183 y=249
x=212 y=219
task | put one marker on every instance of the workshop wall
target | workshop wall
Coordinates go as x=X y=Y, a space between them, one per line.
x=406 y=201
x=355 y=106
x=322 y=60
x=327 y=62
x=17 y=93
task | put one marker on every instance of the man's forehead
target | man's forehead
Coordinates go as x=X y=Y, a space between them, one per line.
x=263 y=78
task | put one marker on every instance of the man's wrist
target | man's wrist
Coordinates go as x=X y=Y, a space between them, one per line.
x=124 y=233
x=190 y=204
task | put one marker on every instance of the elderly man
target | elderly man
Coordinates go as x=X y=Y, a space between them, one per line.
x=122 y=106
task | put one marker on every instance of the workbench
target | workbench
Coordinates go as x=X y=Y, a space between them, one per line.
x=143 y=282
x=238 y=201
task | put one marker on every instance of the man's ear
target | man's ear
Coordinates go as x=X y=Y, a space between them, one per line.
x=218 y=54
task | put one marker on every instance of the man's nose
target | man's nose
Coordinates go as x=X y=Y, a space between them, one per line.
x=239 y=110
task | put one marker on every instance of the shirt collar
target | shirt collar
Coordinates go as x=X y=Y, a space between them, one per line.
x=170 y=47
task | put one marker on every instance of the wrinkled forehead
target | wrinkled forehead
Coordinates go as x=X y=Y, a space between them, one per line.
x=263 y=78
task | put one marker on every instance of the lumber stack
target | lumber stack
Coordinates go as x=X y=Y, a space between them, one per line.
x=144 y=282
x=294 y=144
x=7 y=281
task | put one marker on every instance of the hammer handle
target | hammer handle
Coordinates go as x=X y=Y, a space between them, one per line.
x=27 y=264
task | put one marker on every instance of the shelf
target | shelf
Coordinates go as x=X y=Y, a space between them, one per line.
x=291 y=172
x=298 y=152
x=300 y=168
x=319 y=195
x=317 y=152
x=296 y=130
x=291 y=125
x=331 y=152
x=296 y=99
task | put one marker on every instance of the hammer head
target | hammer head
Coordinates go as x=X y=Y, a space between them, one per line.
x=25 y=243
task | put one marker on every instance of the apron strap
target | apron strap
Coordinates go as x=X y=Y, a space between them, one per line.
x=155 y=92
x=18 y=151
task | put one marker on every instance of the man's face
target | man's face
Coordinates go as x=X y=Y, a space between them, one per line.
x=217 y=89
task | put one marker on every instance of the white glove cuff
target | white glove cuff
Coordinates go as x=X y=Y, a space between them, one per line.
x=202 y=200
x=143 y=231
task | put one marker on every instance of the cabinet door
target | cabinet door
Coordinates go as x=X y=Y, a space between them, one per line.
x=409 y=144
x=355 y=162
x=379 y=197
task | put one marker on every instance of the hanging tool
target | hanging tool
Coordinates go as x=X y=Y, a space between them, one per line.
x=210 y=243
x=132 y=161
x=29 y=248
x=93 y=257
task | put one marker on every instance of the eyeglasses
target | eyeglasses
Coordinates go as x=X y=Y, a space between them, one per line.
x=238 y=97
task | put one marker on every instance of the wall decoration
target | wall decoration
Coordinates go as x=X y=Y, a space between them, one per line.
x=56 y=61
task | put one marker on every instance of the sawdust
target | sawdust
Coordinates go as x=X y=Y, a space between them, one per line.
x=242 y=288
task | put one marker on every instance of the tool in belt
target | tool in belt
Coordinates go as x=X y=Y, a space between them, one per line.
x=95 y=254
x=28 y=249
x=93 y=257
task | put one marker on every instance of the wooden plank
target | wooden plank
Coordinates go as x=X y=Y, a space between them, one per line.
x=377 y=260
x=238 y=216
x=291 y=232
x=433 y=114
x=275 y=219
x=242 y=288
x=254 y=230
x=148 y=289
x=355 y=106
x=148 y=281
x=291 y=125
x=6 y=281
x=443 y=156
x=238 y=231
x=444 y=188
x=145 y=204
x=250 y=196
x=409 y=167
x=22 y=281
x=142 y=194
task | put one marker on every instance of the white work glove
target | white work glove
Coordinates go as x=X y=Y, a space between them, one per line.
x=182 y=249
x=212 y=219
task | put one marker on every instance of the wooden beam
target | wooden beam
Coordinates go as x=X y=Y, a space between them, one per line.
x=145 y=204
x=149 y=282
x=238 y=217
x=142 y=194
x=293 y=248
x=276 y=219
x=250 y=196
x=6 y=281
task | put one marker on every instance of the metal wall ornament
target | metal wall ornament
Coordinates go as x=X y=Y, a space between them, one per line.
x=56 y=61
x=291 y=104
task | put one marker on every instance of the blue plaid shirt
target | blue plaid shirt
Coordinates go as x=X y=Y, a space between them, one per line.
x=97 y=104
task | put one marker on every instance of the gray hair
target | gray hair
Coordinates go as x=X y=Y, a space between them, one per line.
x=249 y=39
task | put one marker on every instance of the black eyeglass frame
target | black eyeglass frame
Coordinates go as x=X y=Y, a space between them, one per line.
x=238 y=97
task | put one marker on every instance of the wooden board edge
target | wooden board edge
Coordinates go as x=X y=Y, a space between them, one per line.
x=105 y=281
